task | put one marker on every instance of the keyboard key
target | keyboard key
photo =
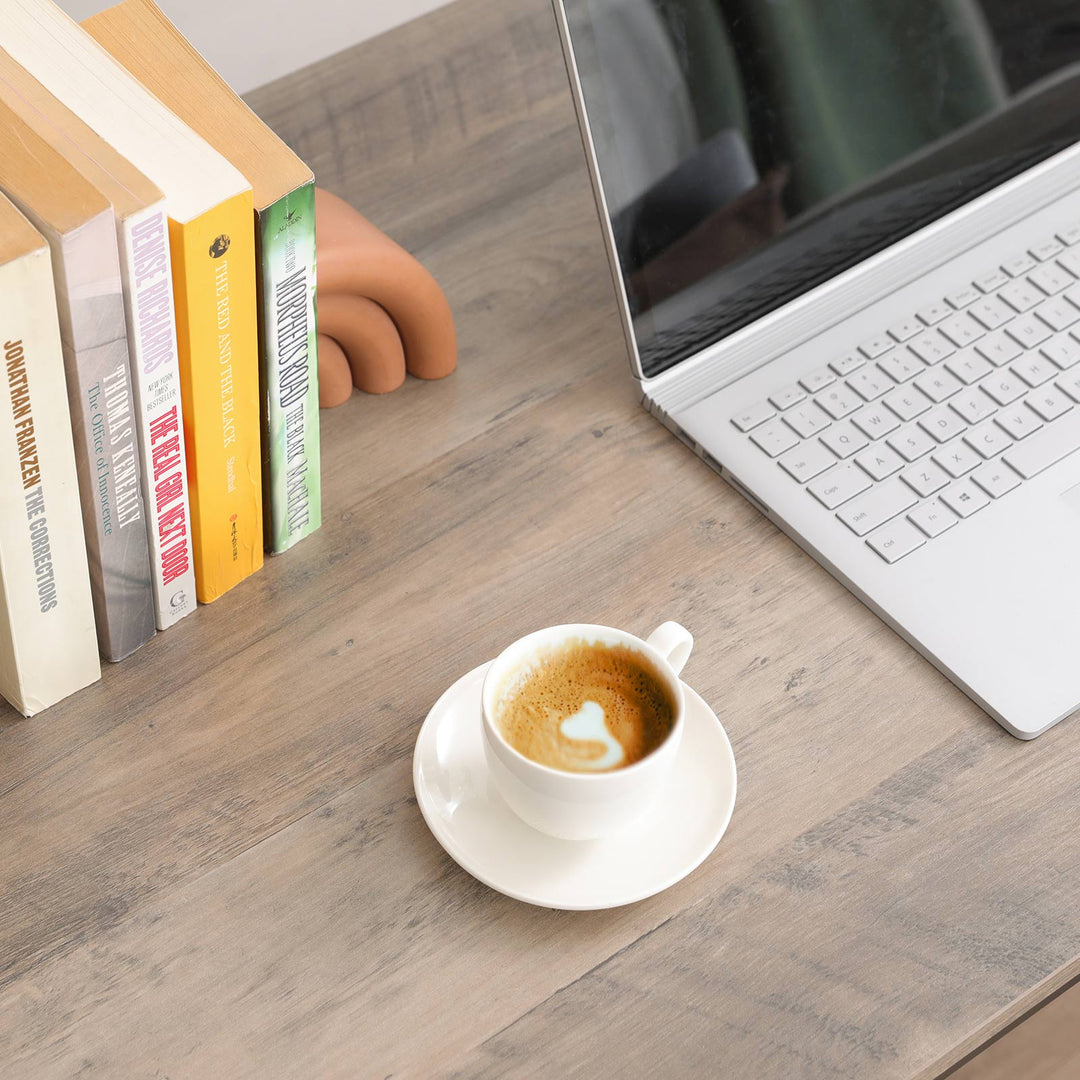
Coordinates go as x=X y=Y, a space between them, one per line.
x=875 y=421
x=998 y=349
x=911 y=443
x=870 y=383
x=876 y=346
x=895 y=540
x=1028 y=331
x=991 y=312
x=1019 y=264
x=962 y=297
x=1051 y=278
x=817 y=380
x=1070 y=384
x=806 y=420
x=1030 y=457
x=988 y=439
x=933 y=313
x=973 y=405
x=1020 y=295
x=968 y=367
x=992 y=281
x=905 y=329
x=964 y=498
x=1004 y=387
x=840 y=483
x=1070 y=260
x=1073 y=294
x=844 y=439
x=1046 y=250
x=938 y=385
x=925 y=478
x=1063 y=351
x=933 y=518
x=847 y=364
x=1070 y=234
x=957 y=458
x=1034 y=369
x=996 y=479
x=866 y=512
x=806 y=461
x=907 y=402
x=902 y=364
x=838 y=401
x=788 y=396
x=961 y=329
x=773 y=437
x=751 y=417
x=942 y=423
x=1057 y=313
x=930 y=348
x=1049 y=403
x=1019 y=421
x=879 y=461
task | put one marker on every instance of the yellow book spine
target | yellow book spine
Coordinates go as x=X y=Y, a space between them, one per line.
x=213 y=264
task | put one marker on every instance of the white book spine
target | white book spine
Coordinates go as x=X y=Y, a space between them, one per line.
x=48 y=641
x=145 y=269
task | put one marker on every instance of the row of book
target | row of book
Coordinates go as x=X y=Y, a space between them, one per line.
x=159 y=422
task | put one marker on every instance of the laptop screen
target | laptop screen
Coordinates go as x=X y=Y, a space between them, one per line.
x=749 y=150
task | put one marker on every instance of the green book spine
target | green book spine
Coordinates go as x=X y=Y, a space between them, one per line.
x=286 y=259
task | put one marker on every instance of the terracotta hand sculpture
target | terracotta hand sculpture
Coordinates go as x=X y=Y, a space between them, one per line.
x=381 y=314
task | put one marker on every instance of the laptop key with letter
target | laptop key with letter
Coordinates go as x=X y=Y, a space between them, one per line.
x=838 y=485
x=756 y=414
x=806 y=461
x=875 y=507
x=895 y=540
x=880 y=461
x=996 y=479
x=933 y=518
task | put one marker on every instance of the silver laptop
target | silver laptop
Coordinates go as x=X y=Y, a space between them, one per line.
x=845 y=237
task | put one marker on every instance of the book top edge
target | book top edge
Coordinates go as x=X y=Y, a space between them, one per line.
x=71 y=65
x=141 y=38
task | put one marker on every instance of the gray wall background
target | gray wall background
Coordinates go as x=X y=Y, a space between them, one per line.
x=252 y=42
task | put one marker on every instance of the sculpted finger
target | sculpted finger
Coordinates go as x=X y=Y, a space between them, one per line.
x=369 y=338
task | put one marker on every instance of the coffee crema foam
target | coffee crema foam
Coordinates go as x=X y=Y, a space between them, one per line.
x=585 y=707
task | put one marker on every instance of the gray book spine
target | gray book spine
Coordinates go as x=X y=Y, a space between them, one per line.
x=93 y=330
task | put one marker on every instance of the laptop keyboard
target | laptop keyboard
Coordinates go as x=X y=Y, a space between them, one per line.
x=942 y=413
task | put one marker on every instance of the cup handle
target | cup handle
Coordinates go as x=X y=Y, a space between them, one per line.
x=673 y=642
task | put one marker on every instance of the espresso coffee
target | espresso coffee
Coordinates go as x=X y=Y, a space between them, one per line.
x=585 y=707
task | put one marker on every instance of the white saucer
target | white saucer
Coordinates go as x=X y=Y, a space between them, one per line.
x=486 y=838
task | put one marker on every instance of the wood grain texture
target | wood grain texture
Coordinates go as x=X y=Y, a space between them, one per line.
x=212 y=862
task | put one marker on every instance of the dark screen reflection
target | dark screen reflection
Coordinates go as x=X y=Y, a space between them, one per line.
x=750 y=149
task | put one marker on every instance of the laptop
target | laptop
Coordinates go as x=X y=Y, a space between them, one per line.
x=845 y=238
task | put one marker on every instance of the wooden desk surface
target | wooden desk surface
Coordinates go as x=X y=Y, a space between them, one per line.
x=212 y=863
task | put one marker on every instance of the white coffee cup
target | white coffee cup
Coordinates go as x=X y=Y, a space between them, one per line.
x=579 y=805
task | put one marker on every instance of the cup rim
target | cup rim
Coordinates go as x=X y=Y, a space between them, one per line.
x=585 y=777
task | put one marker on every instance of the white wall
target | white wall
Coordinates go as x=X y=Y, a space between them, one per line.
x=275 y=37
